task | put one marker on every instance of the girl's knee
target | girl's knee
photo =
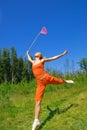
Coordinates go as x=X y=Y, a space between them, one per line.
x=38 y=103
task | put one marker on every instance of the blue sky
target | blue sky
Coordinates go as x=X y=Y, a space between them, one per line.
x=65 y=20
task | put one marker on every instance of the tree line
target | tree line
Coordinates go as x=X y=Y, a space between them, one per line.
x=12 y=68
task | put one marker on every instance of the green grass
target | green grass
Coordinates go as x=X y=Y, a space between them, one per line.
x=64 y=107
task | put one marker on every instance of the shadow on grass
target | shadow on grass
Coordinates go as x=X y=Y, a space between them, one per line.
x=53 y=112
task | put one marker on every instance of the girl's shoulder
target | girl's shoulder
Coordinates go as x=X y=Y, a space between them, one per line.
x=43 y=60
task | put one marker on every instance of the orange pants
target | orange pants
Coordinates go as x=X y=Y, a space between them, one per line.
x=41 y=84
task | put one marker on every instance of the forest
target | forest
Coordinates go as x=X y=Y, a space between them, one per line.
x=12 y=68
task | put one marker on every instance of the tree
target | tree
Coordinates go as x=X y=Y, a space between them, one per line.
x=19 y=70
x=27 y=71
x=1 y=72
x=66 y=66
x=5 y=64
x=83 y=65
x=14 y=63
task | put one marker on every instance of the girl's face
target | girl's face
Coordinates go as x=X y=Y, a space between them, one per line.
x=38 y=55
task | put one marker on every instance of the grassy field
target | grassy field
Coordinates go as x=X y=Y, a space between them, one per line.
x=64 y=107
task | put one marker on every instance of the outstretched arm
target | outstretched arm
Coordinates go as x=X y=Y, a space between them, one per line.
x=56 y=57
x=29 y=57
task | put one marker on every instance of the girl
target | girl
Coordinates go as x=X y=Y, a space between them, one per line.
x=43 y=78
